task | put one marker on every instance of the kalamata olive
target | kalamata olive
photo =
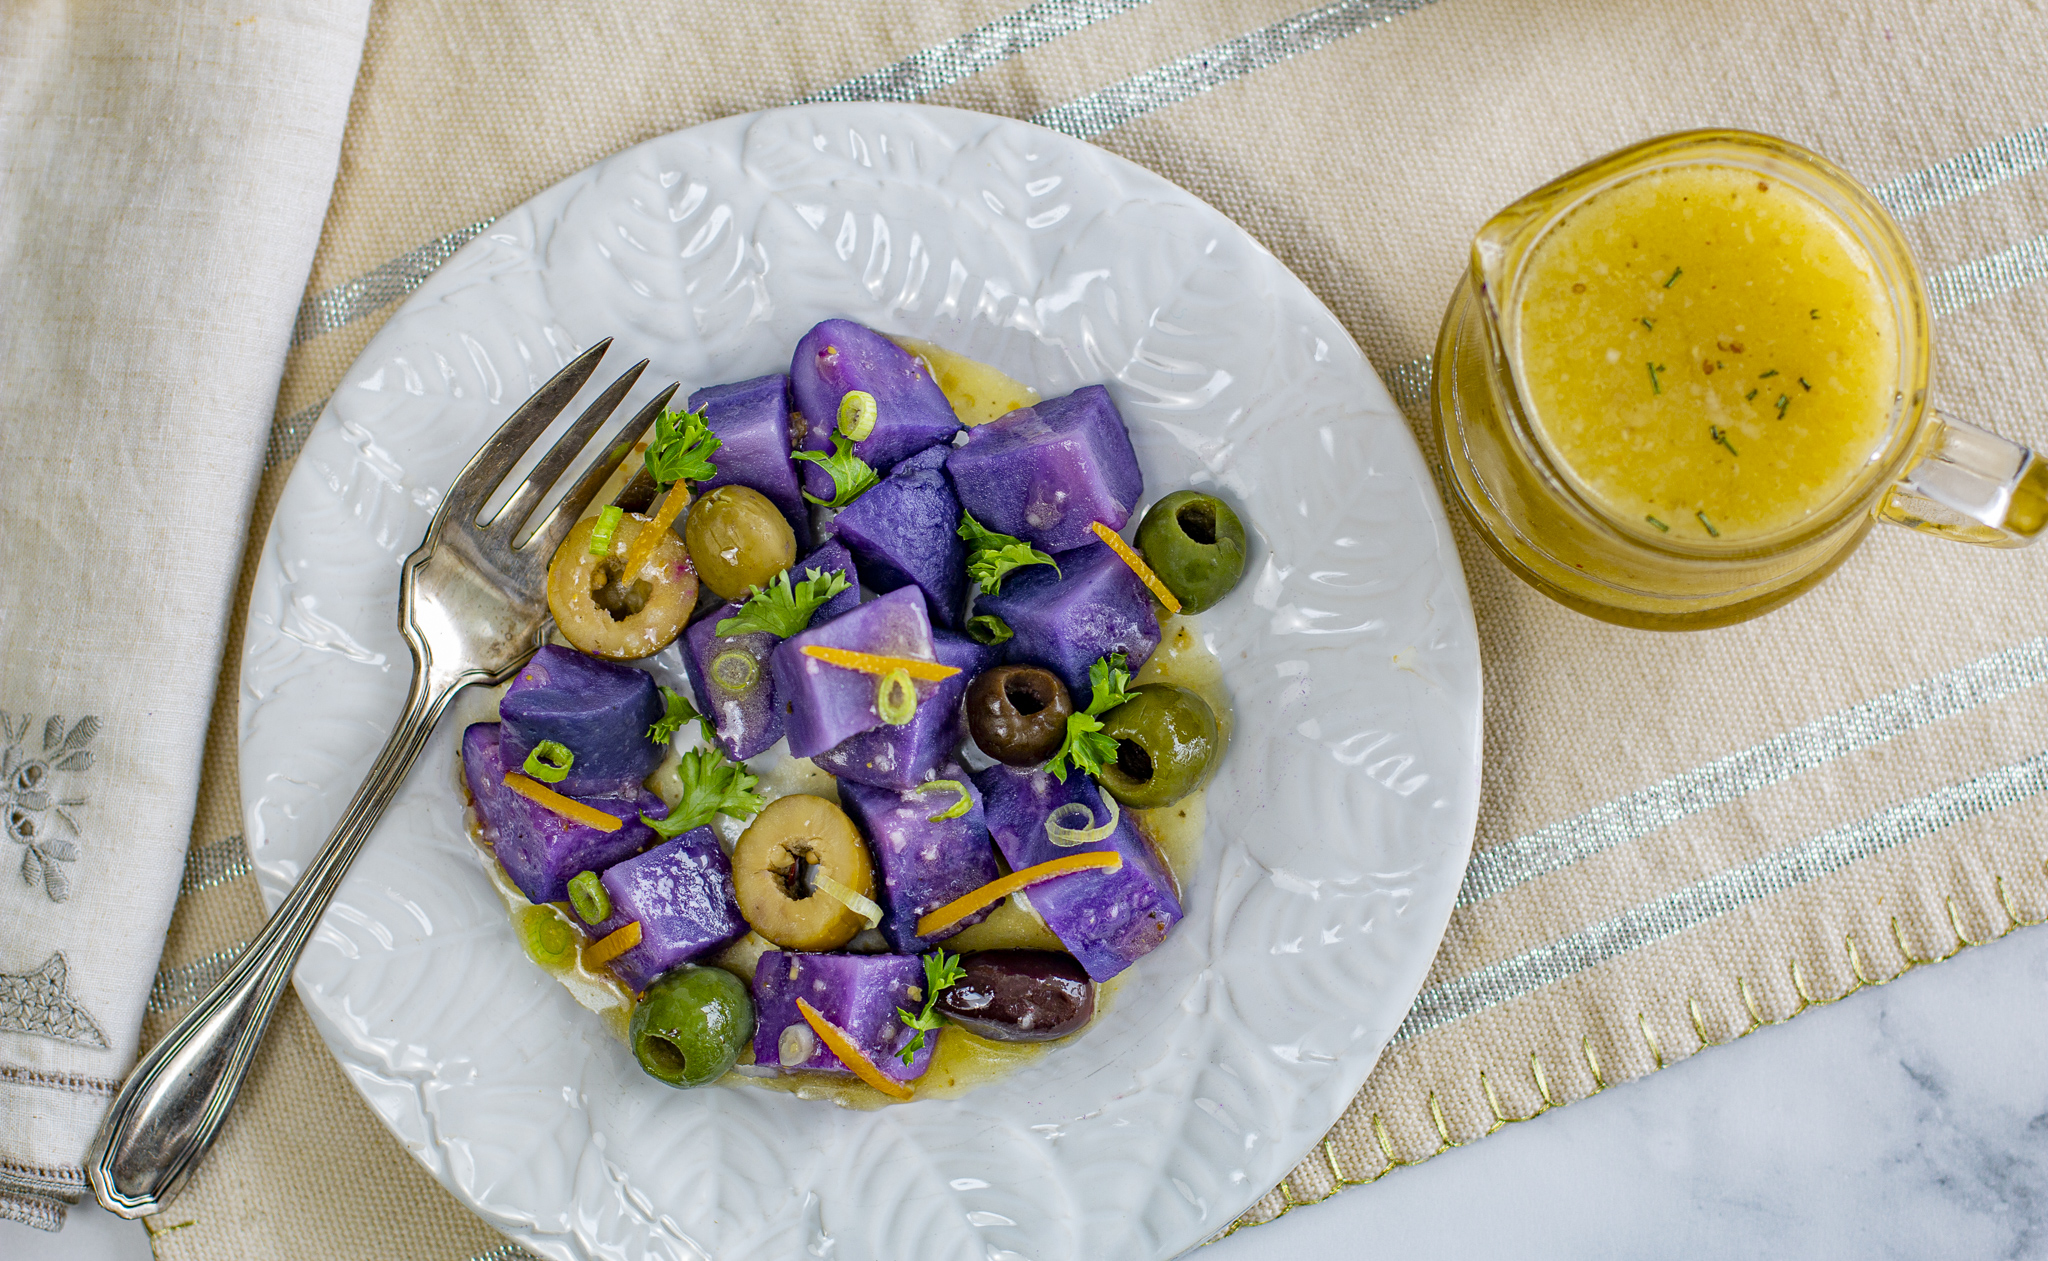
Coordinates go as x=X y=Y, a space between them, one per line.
x=1018 y=714
x=604 y=617
x=1020 y=995
x=1165 y=740
x=738 y=540
x=1195 y=543
x=689 y=1026
x=776 y=865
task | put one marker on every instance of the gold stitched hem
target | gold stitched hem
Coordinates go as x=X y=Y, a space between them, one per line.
x=1340 y=1181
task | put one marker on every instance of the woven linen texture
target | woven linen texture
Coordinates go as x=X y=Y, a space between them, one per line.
x=1682 y=837
x=163 y=172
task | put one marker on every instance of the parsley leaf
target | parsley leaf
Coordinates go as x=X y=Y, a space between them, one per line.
x=682 y=449
x=712 y=784
x=782 y=609
x=680 y=711
x=851 y=476
x=1086 y=746
x=941 y=972
x=991 y=556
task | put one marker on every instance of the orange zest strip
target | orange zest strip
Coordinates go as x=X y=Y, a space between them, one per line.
x=567 y=807
x=874 y=663
x=849 y=1054
x=1137 y=564
x=651 y=533
x=996 y=890
x=612 y=945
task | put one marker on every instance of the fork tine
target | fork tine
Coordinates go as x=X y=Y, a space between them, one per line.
x=566 y=448
x=473 y=486
x=548 y=535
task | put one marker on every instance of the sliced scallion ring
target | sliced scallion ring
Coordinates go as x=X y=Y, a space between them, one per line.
x=735 y=671
x=857 y=414
x=587 y=894
x=859 y=903
x=549 y=762
x=607 y=525
x=987 y=628
x=1068 y=837
x=953 y=811
x=896 y=698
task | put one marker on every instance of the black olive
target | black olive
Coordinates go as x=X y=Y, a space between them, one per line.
x=1020 y=995
x=1018 y=714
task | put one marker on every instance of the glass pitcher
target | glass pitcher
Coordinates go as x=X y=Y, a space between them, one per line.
x=1548 y=517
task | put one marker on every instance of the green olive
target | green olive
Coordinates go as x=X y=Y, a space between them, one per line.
x=1165 y=742
x=604 y=617
x=737 y=540
x=1195 y=543
x=775 y=868
x=689 y=1026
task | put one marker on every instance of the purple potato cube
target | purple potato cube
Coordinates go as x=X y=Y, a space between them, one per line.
x=907 y=531
x=1106 y=919
x=924 y=864
x=823 y=704
x=738 y=691
x=900 y=757
x=681 y=894
x=599 y=710
x=539 y=849
x=831 y=557
x=1063 y=621
x=911 y=412
x=734 y=685
x=751 y=419
x=1047 y=472
x=857 y=993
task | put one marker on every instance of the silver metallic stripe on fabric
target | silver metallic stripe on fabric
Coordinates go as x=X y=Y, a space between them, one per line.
x=505 y=1252
x=1502 y=867
x=1207 y=69
x=1965 y=174
x=927 y=70
x=1737 y=887
x=215 y=863
x=178 y=988
x=1969 y=283
x=288 y=435
x=349 y=301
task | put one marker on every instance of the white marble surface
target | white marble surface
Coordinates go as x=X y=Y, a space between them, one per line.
x=1909 y=1121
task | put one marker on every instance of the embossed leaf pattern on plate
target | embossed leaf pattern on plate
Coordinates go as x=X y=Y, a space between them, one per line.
x=1338 y=823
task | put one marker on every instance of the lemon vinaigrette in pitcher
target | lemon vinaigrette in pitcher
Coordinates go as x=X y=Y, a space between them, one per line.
x=1679 y=384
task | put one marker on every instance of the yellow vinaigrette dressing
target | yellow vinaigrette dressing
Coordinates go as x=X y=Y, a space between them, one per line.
x=1707 y=353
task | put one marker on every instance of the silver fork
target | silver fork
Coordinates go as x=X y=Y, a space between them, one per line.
x=472 y=607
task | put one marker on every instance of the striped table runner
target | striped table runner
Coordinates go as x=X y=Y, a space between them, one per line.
x=1682 y=838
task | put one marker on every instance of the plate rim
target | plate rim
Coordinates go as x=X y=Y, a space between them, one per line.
x=1449 y=561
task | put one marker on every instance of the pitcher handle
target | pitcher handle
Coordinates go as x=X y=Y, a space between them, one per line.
x=1971 y=485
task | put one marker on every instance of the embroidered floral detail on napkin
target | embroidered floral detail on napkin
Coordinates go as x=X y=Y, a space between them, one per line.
x=37 y=1002
x=28 y=795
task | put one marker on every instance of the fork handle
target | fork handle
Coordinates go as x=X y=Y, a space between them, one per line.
x=172 y=1105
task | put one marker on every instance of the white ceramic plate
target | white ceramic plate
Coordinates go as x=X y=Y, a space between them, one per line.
x=1338 y=824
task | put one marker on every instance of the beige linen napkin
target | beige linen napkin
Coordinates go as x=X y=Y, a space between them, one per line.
x=163 y=172
x=1682 y=837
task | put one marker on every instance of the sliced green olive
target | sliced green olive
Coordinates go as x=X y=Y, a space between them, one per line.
x=1165 y=742
x=605 y=617
x=776 y=865
x=1195 y=543
x=689 y=1026
x=738 y=540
